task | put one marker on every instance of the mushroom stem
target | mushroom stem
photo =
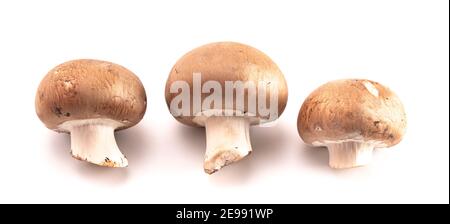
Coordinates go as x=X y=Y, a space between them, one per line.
x=349 y=154
x=94 y=142
x=227 y=141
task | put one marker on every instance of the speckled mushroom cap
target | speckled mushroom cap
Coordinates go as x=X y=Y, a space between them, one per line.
x=352 y=109
x=228 y=61
x=90 y=89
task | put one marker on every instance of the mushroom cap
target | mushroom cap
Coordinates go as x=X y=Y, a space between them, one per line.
x=352 y=109
x=229 y=61
x=90 y=89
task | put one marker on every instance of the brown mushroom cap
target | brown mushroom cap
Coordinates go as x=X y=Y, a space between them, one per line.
x=90 y=89
x=227 y=61
x=352 y=109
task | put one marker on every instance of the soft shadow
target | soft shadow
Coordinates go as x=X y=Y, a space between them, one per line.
x=191 y=144
x=314 y=157
x=102 y=175
x=237 y=173
x=194 y=138
x=136 y=144
x=268 y=144
x=60 y=147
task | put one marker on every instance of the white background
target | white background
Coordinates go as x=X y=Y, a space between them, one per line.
x=402 y=44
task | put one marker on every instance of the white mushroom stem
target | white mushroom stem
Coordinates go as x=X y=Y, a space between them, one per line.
x=93 y=141
x=227 y=141
x=350 y=154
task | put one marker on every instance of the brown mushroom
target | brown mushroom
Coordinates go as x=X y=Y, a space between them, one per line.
x=225 y=87
x=90 y=99
x=351 y=117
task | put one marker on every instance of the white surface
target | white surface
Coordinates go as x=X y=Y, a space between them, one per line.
x=402 y=44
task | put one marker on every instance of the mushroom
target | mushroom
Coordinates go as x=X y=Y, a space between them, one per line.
x=90 y=99
x=225 y=87
x=351 y=117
